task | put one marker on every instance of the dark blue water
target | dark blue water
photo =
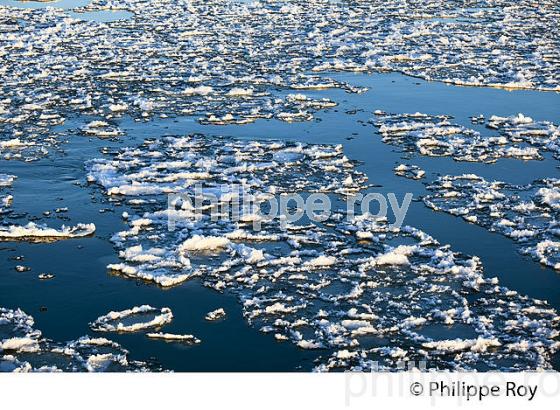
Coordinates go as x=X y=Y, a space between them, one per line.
x=83 y=290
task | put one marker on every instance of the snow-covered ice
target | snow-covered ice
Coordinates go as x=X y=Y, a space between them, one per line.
x=172 y=337
x=348 y=288
x=410 y=171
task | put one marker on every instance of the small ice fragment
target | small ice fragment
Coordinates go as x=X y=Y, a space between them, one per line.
x=171 y=337
x=216 y=314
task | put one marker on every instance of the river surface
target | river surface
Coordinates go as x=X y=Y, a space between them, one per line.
x=83 y=290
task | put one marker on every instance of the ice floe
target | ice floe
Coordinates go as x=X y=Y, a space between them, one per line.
x=361 y=292
x=410 y=171
x=133 y=320
x=518 y=137
x=41 y=233
x=32 y=232
x=171 y=337
x=6 y=199
x=528 y=214
x=177 y=164
x=6 y=180
x=216 y=314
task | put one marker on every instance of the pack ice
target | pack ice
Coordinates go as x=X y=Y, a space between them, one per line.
x=232 y=62
x=365 y=296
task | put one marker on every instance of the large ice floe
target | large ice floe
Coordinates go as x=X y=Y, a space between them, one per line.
x=143 y=176
x=227 y=61
x=528 y=214
x=24 y=349
x=363 y=294
x=517 y=136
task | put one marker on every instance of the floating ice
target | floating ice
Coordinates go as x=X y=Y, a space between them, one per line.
x=38 y=233
x=216 y=314
x=101 y=129
x=230 y=69
x=170 y=337
x=457 y=345
x=199 y=243
x=20 y=345
x=355 y=289
x=162 y=277
x=123 y=321
x=24 y=349
x=27 y=150
x=176 y=164
x=6 y=180
x=410 y=171
x=348 y=287
x=434 y=135
x=32 y=232
x=527 y=214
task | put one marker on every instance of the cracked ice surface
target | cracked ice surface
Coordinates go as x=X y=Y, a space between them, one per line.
x=355 y=290
x=232 y=62
x=528 y=214
x=24 y=349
